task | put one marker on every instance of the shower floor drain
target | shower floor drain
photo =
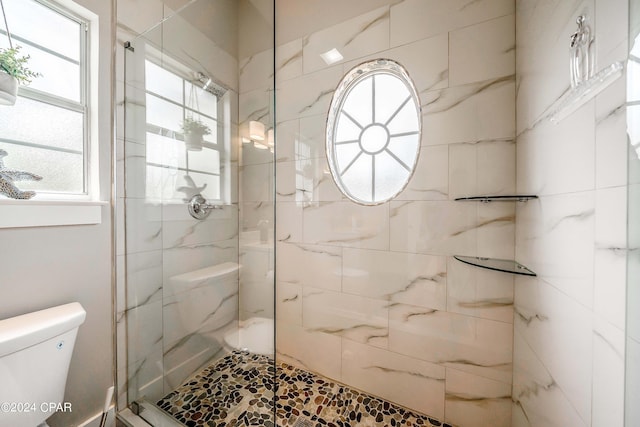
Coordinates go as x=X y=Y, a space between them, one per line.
x=301 y=422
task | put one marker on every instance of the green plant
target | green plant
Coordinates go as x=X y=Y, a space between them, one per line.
x=16 y=66
x=191 y=125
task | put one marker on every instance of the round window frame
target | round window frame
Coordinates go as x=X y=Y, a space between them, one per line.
x=350 y=80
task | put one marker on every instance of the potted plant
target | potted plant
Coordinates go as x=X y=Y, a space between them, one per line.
x=13 y=71
x=194 y=131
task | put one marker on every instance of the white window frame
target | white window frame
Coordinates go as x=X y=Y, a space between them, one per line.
x=187 y=75
x=58 y=209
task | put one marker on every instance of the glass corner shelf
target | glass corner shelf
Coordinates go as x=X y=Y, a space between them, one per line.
x=487 y=199
x=504 y=265
x=585 y=91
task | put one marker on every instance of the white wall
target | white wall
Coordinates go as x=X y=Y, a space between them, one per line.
x=48 y=266
x=570 y=320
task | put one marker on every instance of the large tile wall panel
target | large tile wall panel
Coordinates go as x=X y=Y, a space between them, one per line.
x=482 y=51
x=354 y=38
x=417 y=19
x=398 y=378
x=476 y=401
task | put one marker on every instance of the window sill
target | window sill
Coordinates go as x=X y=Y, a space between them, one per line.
x=48 y=213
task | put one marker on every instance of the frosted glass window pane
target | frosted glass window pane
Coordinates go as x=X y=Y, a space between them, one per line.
x=388 y=173
x=358 y=179
x=59 y=77
x=345 y=154
x=207 y=103
x=205 y=160
x=61 y=172
x=163 y=114
x=44 y=26
x=405 y=147
x=358 y=103
x=391 y=92
x=213 y=126
x=346 y=130
x=39 y=123
x=163 y=82
x=212 y=192
x=407 y=120
x=373 y=131
x=165 y=151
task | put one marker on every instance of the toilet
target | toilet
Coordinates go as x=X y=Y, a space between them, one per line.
x=35 y=352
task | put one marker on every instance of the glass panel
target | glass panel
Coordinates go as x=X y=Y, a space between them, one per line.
x=407 y=120
x=632 y=330
x=39 y=123
x=358 y=178
x=164 y=114
x=405 y=148
x=212 y=137
x=197 y=261
x=31 y=20
x=358 y=103
x=155 y=183
x=206 y=160
x=59 y=76
x=389 y=173
x=61 y=172
x=346 y=130
x=162 y=82
x=165 y=151
x=201 y=100
x=374 y=139
x=212 y=191
x=391 y=93
x=345 y=154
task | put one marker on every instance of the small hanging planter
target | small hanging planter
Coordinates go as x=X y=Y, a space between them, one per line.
x=194 y=132
x=193 y=129
x=8 y=89
x=13 y=69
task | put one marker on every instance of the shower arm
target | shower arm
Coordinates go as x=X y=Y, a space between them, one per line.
x=199 y=208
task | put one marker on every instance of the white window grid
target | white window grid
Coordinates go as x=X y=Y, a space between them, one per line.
x=188 y=111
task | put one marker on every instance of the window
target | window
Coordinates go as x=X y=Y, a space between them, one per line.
x=47 y=131
x=373 y=132
x=176 y=167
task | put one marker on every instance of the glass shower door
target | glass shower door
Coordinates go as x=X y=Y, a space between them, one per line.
x=193 y=245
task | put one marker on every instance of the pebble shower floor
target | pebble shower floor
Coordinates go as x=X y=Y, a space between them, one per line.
x=238 y=390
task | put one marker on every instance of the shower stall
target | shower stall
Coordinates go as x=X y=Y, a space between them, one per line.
x=295 y=248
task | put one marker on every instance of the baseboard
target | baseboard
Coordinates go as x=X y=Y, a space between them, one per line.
x=95 y=420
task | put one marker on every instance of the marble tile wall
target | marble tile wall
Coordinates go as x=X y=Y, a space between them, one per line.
x=168 y=326
x=371 y=296
x=569 y=341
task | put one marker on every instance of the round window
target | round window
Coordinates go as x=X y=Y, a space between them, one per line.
x=373 y=132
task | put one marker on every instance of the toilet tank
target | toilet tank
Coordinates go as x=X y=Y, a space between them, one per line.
x=35 y=351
